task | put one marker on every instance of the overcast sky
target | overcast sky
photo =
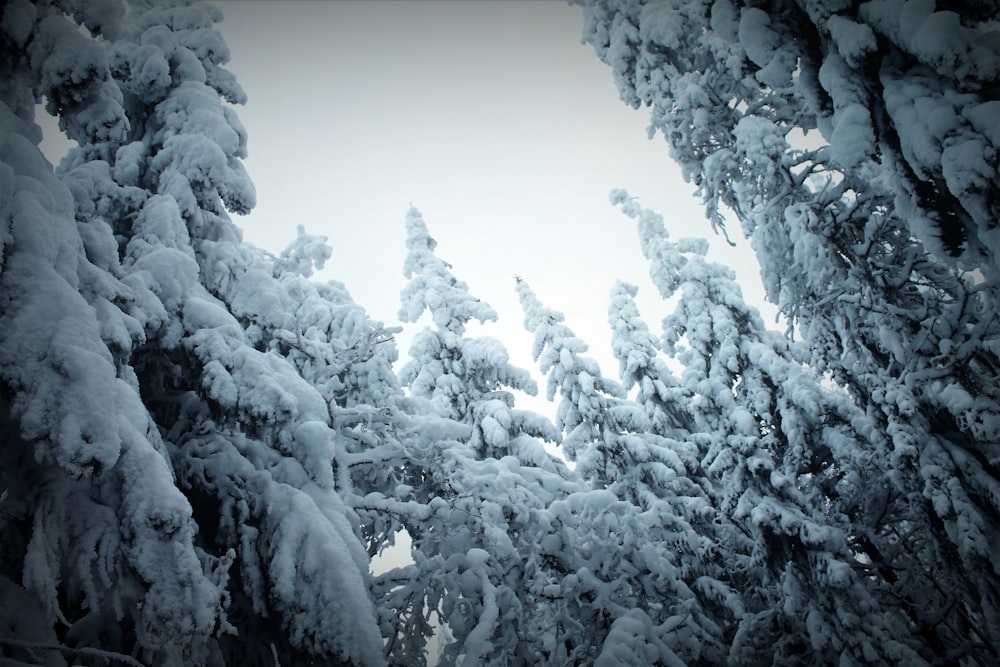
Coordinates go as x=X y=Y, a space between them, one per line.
x=491 y=118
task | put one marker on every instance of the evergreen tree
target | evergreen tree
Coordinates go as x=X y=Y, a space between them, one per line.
x=638 y=352
x=670 y=438
x=483 y=548
x=203 y=447
x=788 y=455
x=682 y=499
x=877 y=240
x=643 y=544
x=463 y=377
x=170 y=395
x=482 y=474
x=590 y=410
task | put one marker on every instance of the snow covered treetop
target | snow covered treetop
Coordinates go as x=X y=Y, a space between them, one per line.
x=432 y=286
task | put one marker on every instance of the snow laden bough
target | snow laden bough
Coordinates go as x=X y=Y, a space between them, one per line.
x=851 y=142
x=172 y=399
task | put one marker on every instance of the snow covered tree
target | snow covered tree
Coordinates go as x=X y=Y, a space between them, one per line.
x=646 y=537
x=178 y=460
x=877 y=239
x=438 y=370
x=684 y=500
x=591 y=411
x=485 y=476
x=791 y=457
x=638 y=352
x=464 y=377
x=671 y=437
x=203 y=447
x=98 y=540
x=483 y=552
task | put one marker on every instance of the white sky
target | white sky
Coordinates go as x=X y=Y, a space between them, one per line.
x=492 y=119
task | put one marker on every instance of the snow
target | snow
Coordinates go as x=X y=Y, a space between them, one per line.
x=151 y=71
x=260 y=299
x=765 y=48
x=477 y=644
x=756 y=37
x=314 y=447
x=966 y=165
x=62 y=367
x=936 y=37
x=17 y=20
x=983 y=118
x=179 y=402
x=660 y=24
x=305 y=253
x=432 y=287
x=169 y=273
x=855 y=41
x=853 y=139
x=632 y=641
x=326 y=609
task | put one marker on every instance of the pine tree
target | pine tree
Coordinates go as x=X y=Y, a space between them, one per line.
x=684 y=501
x=643 y=542
x=877 y=240
x=640 y=366
x=170 y=395
x=464 y=377
x=480 y=471
x=670 y=438
x=789 y=456
x=203 y=447
x=96 y=534
x=590 y=411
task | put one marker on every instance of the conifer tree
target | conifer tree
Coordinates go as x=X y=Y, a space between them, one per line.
x=589 y=402
x=464 y=377
x=169 y=491
x=644 y=541
x=638 y=352
x=682 y=499
x=877 y=239
x=789 y=459
x=203 y=447
x=484 y=475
